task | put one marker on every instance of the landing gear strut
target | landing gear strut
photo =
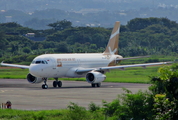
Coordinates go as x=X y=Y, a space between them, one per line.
x=96 y=84
x=57 y=83
x=45 y=86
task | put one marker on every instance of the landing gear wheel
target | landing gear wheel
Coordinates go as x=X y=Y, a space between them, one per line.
x=93 y=85
x=98 y=84
x=45 y=86
x=55 y=83
x=59 y=83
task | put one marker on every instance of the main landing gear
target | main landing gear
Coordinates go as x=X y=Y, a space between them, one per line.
x=55 y=83
x=96 y=84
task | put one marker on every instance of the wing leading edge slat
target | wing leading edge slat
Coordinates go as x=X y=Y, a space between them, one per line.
x=80 y=70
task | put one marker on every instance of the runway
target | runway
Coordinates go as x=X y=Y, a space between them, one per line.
x=26 y=96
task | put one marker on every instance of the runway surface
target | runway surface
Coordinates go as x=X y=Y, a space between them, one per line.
x=26 y=96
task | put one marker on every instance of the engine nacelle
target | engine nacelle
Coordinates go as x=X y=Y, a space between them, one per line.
x=32 y=79
x=95 y=77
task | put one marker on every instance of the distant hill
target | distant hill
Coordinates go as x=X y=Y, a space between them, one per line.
x=78 y=5
x=37 y=14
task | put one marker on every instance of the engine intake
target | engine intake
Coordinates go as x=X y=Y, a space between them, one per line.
x=95 y=77
x=32 y=79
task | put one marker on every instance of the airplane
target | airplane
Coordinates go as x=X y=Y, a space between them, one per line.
x=92 y=66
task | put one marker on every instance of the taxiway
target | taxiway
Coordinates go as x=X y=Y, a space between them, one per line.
x=26 y=96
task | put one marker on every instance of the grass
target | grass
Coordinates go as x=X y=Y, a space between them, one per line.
x=129 y=75
x=132 y=75
x=13 y=73
x=65 y=114
x=30 y=115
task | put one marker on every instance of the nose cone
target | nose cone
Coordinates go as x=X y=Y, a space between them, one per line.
x=36 y=70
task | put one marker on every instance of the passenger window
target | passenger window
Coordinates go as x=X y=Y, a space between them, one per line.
x=42 y=62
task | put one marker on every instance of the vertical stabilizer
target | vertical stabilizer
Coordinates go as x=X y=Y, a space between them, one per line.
x=112 y=47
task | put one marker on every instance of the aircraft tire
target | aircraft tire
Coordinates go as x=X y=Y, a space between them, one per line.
x=59 y=83
x=45 y=86
x=93 y=84
x=98 y=84
x=55 y=83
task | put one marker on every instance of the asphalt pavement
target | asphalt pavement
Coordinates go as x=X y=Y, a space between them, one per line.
x=26 y=96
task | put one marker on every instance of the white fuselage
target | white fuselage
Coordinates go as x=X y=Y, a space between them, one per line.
x=65 y=65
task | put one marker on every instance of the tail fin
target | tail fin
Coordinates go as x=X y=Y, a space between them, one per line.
x=112 y=47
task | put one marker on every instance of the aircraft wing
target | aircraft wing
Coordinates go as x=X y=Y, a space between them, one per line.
x=80 y=70
x=15 y=65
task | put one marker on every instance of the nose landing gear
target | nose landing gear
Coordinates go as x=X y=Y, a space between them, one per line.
x=45 y=86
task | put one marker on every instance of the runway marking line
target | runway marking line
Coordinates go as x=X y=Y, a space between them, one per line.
x=3 y=91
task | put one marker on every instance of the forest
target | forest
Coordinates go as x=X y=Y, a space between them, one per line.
x=140 y=36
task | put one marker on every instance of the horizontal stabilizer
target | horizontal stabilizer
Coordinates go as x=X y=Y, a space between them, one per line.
x=132 y=58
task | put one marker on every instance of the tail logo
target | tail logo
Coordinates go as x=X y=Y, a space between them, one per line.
x=117 y=32
x=112 y=52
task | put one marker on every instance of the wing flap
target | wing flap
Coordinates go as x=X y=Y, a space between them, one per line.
x=135 y=65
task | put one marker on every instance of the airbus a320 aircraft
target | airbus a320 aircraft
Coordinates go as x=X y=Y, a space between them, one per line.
x=93 y=66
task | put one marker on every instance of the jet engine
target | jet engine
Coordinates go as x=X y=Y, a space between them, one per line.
x=32 y=79
x=95 y=77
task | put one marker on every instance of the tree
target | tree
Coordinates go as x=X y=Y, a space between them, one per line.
x=165 y=90
x=3 y=41
x=24 y=30
x=61 y=47
x=128 y=106
x=10 y=25
x=26 y=50
x=61 y=25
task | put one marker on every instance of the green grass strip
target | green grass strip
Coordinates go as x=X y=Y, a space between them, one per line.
x=129 y=75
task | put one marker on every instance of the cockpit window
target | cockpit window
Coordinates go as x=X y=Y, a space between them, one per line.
x=40 y=62
x=46 y=62
x=43 y=62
